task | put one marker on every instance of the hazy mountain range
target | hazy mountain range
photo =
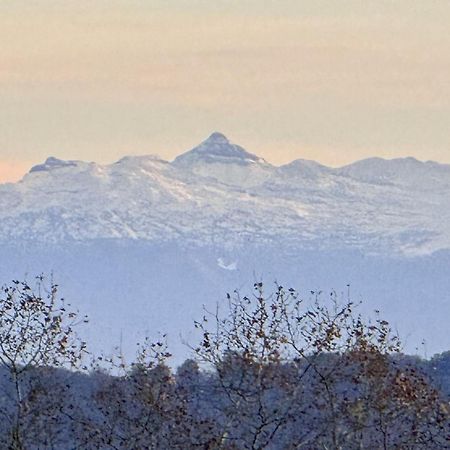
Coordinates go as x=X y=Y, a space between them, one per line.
x=219 y=193
x=142 y=243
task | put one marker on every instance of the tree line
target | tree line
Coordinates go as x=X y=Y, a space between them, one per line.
x=270 y=371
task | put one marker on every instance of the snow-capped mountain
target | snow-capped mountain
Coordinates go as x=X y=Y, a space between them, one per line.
x=141 y=244
x=218 y=192
x=217 y=149
x=219 y=159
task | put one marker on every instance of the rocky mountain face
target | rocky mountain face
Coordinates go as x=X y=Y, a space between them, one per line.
x=140 y=245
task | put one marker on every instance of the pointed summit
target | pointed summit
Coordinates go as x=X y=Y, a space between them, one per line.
x=217 y=138
x=217 y=149
x=216 y=157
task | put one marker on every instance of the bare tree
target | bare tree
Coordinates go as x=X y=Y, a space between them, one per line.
x=134 y=401
x=36 y=334
x=294 y=374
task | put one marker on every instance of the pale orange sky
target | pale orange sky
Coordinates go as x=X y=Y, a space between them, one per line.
x=324 y=80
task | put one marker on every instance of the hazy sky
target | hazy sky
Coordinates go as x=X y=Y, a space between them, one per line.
x=333 y=81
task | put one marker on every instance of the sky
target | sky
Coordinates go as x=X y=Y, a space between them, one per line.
x=333 y=81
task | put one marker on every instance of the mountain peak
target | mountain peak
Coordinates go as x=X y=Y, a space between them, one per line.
x=217 y=149
x=217 y=138
x=52 y=163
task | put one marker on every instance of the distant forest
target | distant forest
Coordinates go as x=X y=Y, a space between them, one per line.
x=268 y=372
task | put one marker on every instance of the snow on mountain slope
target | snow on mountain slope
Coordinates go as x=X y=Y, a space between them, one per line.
x=224 y=161
x=220 y=193
x=401 y=171
x=302 y=169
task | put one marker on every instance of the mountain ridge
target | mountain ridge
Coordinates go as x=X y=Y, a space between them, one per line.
x=220 y=191
x=210 y=145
